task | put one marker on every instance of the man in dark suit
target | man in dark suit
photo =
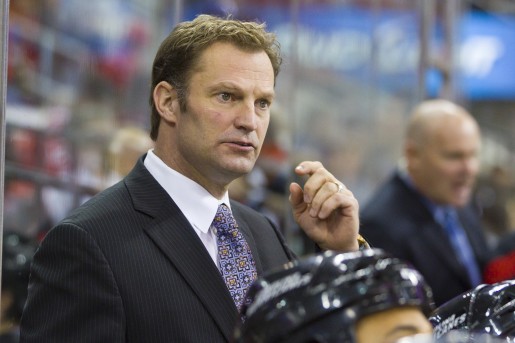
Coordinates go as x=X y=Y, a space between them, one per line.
x=423 y=213
x=143 y=260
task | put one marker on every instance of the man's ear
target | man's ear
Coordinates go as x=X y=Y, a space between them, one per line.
x=166 y=101
x=411 y=151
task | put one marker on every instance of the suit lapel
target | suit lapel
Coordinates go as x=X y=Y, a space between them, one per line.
x=174 y=236
x=430 y=233
x=471 y=225
x=249 y=237
x=433 y=236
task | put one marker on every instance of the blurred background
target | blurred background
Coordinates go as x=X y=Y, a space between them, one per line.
x=77 y=86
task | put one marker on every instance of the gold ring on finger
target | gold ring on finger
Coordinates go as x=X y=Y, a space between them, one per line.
x=340 y=187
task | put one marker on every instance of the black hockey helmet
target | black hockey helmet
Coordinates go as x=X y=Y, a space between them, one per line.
x=321 y=297
x=485 y=309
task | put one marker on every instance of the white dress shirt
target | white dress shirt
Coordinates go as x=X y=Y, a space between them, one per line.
x=194 y=201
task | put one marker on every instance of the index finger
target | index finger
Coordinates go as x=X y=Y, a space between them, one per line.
x=308 y=167
x=318 y=176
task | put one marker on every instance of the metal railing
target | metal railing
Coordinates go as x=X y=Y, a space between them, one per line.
x=4 y=17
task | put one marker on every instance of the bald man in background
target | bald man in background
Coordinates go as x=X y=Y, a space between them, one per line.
x=423 y=213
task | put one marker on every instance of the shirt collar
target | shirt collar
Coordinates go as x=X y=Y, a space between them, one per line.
x=194 y=201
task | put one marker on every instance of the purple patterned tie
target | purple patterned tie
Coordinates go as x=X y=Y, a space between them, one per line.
x=235 y=258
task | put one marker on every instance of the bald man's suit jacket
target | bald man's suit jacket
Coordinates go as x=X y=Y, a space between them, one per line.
x=397 y=220
x=128 y=267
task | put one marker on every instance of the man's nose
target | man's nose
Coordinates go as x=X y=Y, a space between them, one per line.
x=247 y=117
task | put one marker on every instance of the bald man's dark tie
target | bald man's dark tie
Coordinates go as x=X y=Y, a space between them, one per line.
x=461 y=245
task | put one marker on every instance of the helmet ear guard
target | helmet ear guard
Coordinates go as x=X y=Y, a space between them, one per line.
x=486 y=309
x=320 y=298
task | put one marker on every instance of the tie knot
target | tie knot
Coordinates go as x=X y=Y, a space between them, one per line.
x=450 y=215
x=450 y=212
x=450 y=219
x=223 y=209
x=224 y=220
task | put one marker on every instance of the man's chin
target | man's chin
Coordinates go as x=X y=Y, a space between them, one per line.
x=461 y=200
x=240 y=169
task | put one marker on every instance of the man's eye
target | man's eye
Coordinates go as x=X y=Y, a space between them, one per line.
x=225 y=97
x=263 y=104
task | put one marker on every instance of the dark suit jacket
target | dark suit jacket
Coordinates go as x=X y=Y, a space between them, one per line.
x=397 y=220
x=128 y=267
